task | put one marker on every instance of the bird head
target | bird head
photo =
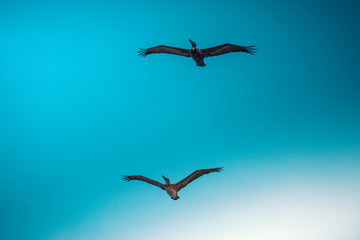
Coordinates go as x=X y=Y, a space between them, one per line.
x=193 y=44
x=166 y=180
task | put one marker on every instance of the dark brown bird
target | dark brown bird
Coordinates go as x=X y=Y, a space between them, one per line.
x=172 y=189
x=198 y=54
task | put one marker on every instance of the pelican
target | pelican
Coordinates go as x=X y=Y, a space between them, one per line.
x=172 y=189
x=197 y=54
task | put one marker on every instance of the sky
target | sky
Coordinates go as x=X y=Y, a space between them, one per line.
x=79 y=109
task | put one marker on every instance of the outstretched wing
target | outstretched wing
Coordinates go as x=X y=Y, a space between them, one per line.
x=198 y=173
x=227 y=48
x=145 y=179
x=164 y=49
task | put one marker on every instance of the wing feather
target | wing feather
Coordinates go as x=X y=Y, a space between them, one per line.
x=198 y=173
x=144 y=179
x=164 y=49
x=227 y=48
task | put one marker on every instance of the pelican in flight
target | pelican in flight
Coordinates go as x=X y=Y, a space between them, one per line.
x=172 y=189
x=196 y=53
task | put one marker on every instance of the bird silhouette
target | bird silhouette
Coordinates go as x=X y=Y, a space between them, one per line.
x=197 y=54
x=172 y=189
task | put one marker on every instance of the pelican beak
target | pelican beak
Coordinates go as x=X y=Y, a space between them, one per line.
x=166 y=179
x=192 y=43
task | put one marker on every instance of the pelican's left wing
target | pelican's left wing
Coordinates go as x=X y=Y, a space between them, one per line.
x=198 y=173
x=164 y=49
x=226 y=48
x=144 y=179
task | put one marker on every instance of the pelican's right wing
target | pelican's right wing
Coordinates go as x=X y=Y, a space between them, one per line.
x=198 y=173
x=144 y=179
x=227 y=48
x=164 y=49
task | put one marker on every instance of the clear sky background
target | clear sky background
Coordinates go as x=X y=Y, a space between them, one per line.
x=79 y=108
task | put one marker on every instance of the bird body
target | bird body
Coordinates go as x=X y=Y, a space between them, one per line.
x=197 y=54
x=173 y=189
x=198 y=57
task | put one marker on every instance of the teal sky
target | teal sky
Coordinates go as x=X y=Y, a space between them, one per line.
x=79 y=108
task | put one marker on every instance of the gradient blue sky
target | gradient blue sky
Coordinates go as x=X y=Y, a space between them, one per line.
x=79 y=108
